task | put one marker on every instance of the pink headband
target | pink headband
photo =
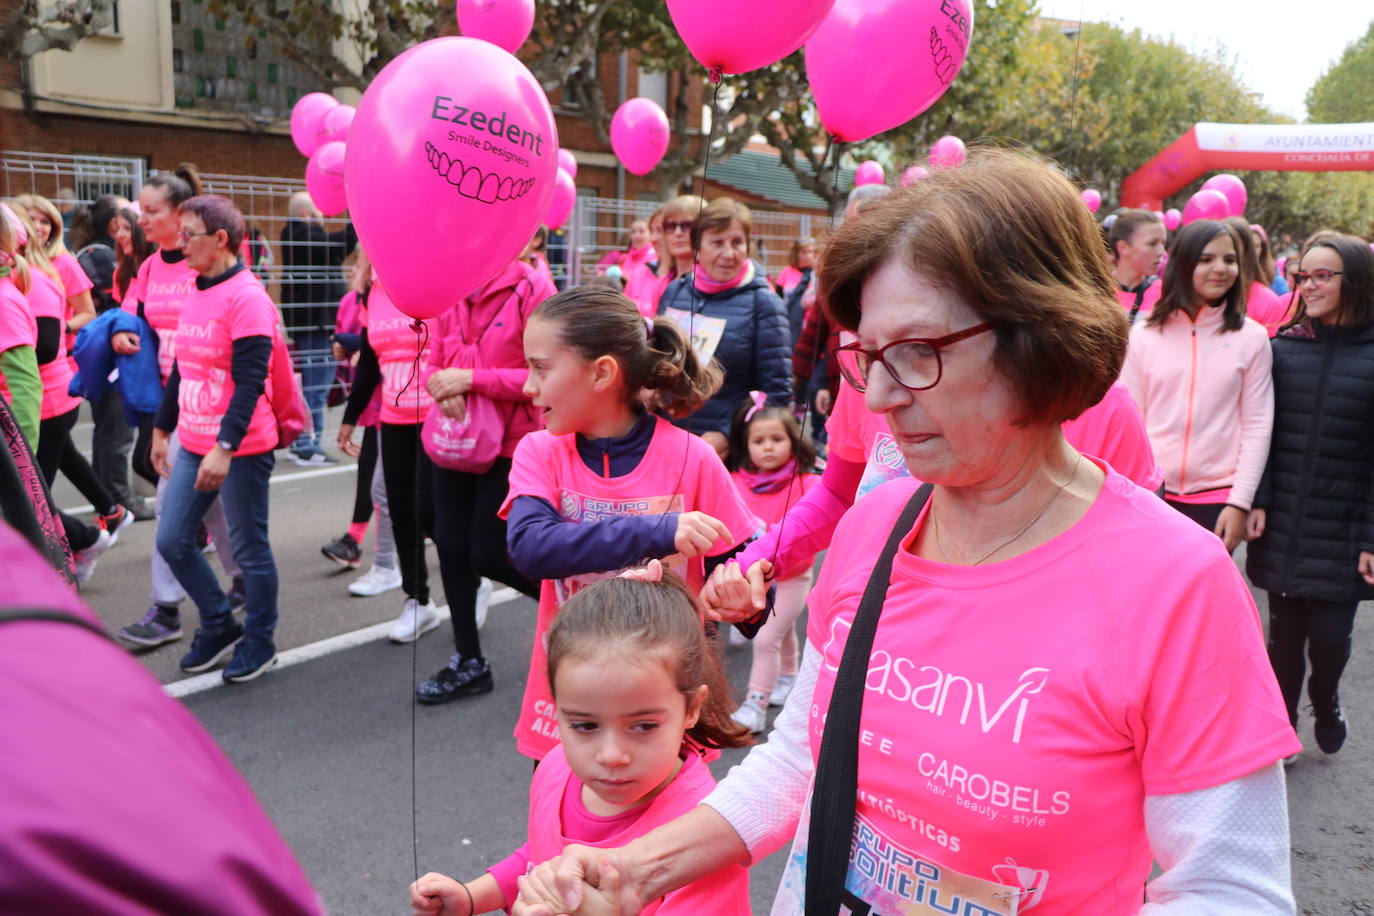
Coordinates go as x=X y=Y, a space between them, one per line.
x=760 y=401
x=650 y=572
x=21 y=235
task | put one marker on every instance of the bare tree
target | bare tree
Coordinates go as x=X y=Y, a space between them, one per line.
x=30 y=27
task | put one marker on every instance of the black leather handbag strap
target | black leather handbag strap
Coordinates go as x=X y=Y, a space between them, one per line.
x=52 y=615
x=835 y=793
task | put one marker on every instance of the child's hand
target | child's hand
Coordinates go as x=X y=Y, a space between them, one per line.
x=697 y=532
x=439 y=895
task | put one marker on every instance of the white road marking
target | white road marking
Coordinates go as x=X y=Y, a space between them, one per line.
x=272 y=481
x=311 y=651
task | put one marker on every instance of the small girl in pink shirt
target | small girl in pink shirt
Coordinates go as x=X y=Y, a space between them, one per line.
x=640 y=699
x=772 y=465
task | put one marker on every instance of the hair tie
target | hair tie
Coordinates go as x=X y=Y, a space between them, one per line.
x=6 y=261
x=649 y=572
x=760 y=401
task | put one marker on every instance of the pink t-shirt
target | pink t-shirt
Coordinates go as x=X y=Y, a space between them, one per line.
x=74 y=279
x=1017 y=714
x=211 y=320
x=17 y=327
x=163 y=288
x=405 y=398
x=646 y=288
x=351 y=319
x=548 y=466
x=1267 y=307
x=771 y=507
x=1147 y=301
x=46 y=301
x=554 y=822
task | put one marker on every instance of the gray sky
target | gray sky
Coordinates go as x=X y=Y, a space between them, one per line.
x=1280 y=48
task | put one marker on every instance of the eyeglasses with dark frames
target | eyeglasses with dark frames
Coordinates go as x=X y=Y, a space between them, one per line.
x=1318 y=277
x=913 y=362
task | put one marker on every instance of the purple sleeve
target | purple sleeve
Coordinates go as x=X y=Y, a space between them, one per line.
x=508 y=870
x=806 y=530
x=543 y=546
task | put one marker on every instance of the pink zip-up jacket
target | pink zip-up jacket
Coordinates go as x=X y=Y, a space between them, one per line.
x=1207 y=398
x=494 y=318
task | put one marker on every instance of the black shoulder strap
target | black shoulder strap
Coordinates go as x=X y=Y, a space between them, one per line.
x=1140 y=296
x=51 y=615
x=835 y=792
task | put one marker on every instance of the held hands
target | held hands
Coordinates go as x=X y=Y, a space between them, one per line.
x=1367 y=566
x=214 y=467
x=439 y=895
x=125 y=343
x=346 y=443
x=157 y=453
x=449 y=383
x=733 y=594
x=1231 y=526
x=697 y=532
x=581 y=882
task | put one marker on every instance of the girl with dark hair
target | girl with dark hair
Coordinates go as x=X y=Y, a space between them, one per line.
x=1199 y=370
x=132 y=248
x=607 y=483
x=1136 y=240
x=1261 y=303
x=1312 y=524
x=640 y=699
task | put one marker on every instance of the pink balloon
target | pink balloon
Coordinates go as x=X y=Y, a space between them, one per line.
x=913 y=175
x=1233 y=189
x=1172 y=219
x=504 y=23
x=324 y=178
x=639 y=135
x=869 y=172
x=1206 y=204
x=567 y=162
x=875 y=64
x=736 y=36
x=447 y=178
x=564 y=198
x=947 y=153
x=335 y=124
x=1092 y=198
x=305 y=117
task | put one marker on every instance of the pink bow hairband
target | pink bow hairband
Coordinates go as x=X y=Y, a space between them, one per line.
x=649 y=572
x=760 y=401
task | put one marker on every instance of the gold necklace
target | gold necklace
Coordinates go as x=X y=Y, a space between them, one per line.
x=935 y=525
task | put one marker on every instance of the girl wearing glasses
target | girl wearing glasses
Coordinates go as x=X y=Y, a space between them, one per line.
x=670 y=229
x=1312 y=524
x=1199 y=370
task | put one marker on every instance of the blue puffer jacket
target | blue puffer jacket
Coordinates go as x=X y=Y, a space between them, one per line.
x=754 y=350
x=139 y=383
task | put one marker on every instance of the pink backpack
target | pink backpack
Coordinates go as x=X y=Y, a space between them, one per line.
x=284 y=394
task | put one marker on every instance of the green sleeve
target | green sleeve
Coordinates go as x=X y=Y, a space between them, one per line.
x=19 y=366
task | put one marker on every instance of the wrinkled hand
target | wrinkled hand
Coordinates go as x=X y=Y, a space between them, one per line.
x=1367 y=566
x=733 y=594
x=125 y=343
x=449 y=383
x=697 y=533
x=214 y=467
x=157 y=453
x=1230 y=527
x=455 y=408
x=346 y=443
x=1254 y=524
x=581 y=882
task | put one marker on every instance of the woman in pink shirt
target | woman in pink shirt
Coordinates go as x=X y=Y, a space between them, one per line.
x=47 y=223
x=1137 y=243
x=1199 y=370
x=1006 y=705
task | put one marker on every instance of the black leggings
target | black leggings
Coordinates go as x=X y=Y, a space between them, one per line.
x=1324 y=628
x=471 y=539
x=1205 y=514
x=141 y=459
x=406 y=471
x=367 y=464
x=57 y=451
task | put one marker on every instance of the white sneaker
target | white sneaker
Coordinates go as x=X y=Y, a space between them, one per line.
x=483 y=601
x=415 y=621
x=751 y=714
x=782 y=689
x=85 y=560
x=376 y=581
x=737 y=638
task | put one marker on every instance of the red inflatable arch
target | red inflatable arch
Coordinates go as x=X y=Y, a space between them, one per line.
x=1260 y=147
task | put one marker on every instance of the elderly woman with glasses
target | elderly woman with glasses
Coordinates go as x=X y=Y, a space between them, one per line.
x=1026 y=679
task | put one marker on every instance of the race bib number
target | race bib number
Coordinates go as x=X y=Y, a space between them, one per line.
x=703 y=331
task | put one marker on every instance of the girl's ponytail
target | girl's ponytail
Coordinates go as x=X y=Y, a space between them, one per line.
x=681 y=384
x=188 y=173
x=180 y=185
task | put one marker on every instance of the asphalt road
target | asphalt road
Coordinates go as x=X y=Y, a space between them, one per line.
x=330 y=743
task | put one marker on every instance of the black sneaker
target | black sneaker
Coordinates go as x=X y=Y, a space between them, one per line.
x=254 y=656
x=1330 y=729
x=344 y=551
x=160 y=625
x=210 y=647
x=461 y=677
x=237 y=595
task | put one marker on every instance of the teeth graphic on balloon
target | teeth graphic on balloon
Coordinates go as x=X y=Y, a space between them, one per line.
x=946 y=66
x=471 y=182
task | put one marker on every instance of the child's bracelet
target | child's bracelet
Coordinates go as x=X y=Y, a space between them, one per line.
x=472 y=907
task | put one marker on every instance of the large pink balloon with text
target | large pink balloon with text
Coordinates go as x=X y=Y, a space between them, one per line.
x=451 y=164
x=639 y=135
x=504 y=23
x=736 y=36
x=875 y=64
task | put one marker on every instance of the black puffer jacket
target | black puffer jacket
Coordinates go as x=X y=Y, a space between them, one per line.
x=755 y=349
x=1318 y=487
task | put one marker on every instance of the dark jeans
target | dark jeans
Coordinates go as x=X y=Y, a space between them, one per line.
x=244 y=496
x=406 y=471
x=110 y=445
x=56 y=451
x=1324 y=628
x=471 y=539
x=315 y=360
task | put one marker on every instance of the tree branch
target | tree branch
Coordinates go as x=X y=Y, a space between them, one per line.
x=30 y=29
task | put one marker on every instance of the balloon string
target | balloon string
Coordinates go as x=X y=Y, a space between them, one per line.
x=1073 y=102
x=421 y=340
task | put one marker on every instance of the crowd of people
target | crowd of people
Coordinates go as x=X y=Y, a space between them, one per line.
x=1073 y=428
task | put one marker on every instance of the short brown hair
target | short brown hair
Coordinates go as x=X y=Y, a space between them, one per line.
x=719 y=214
x=1124 y=227
x=1008 y=236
